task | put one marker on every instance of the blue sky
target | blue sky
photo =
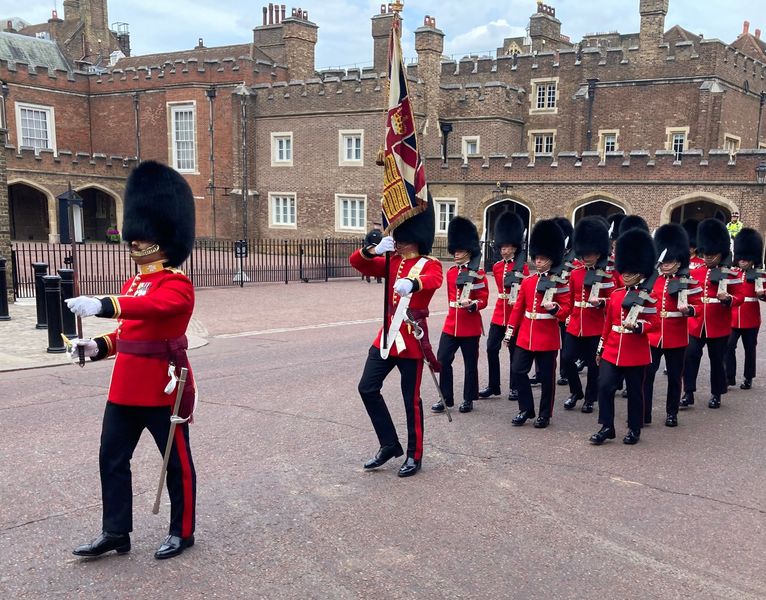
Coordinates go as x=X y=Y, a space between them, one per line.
x=344 y=25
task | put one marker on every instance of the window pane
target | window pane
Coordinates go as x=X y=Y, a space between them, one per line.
x=552 y=95
x=34 y=128
x=183 y=134
x=540 y=96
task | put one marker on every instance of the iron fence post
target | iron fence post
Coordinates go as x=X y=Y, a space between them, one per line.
x=286 y=273
x=4 y=316
x=40 y=270
x=52 y=285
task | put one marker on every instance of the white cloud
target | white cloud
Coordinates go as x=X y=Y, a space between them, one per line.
x=482 y=38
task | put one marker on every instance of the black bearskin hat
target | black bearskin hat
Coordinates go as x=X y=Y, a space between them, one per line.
x=419 y=229
x=159 y=208
x=614 y=225
x=566 y=229
x=672 y=237
x=462 y=235
x=509 y=229
x=635 y=252
x=547 y=240
x=632 y=221
x=748 y=245
x=690 y=226
x=591 y=237
x=713 y=238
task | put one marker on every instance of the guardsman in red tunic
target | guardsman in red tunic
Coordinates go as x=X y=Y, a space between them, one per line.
x=149 y=345
x=711 y=324
x=677 y=296
x=414 y=274
x=590 y=286
x=691 y=225
x=568 y=231
x=624 y=351
x=467 y=294
x=508 y=273
x=543 y=302
x=614 y=232
x=746 y=318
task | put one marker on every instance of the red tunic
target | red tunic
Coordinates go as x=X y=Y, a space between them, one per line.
x=536 y=329
x=712 y=316
x=152 y=307
x=620 y=347
x=502 y=305
x=748 y=314
x=585 y=319
x=461 y=322
x=427 y=282
x=672 y=329
x=695 y=263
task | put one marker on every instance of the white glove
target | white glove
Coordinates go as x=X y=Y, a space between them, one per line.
x=387 y=244
x=403 y=286
x=84 y=306
x=90 y=346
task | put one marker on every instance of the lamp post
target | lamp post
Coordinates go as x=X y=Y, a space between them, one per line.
x=500 y=191
x=243 y=91
x=4 y=89
x=446 y=129
x=760 y=117
x=760 y=173
x=211 y=93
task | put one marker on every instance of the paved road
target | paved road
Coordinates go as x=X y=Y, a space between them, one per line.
x=285 y=510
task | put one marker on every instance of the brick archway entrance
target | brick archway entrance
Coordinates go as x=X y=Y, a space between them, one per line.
x=698 y=210
x=491 y=214
x=99 y=213
x=598 y=207
x=28 y=208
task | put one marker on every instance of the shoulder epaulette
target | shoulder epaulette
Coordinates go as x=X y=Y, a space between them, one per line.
x=176 y=271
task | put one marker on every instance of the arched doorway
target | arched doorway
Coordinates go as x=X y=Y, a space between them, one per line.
x=700 y=209
x=28 y=208
x=491 y=214
x=99 y=213
x=598 y=207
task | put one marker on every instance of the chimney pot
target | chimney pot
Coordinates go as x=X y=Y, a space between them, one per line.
x=271 y=13
x=746 y=27
x=265 y=15
x=284 y=11
x=758 y=34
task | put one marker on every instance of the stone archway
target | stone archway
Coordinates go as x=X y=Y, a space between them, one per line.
x=492 y=213
x=698 y=206
x=598 y=203
x=29 y=209
x=100 y=212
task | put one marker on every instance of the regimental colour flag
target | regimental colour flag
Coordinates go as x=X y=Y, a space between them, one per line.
x=405 y=192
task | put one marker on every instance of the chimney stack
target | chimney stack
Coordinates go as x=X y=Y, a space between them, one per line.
x=758 y=34
x=265 y=15
x=746 y=28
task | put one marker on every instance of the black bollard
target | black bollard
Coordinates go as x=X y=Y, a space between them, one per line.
x=53 y=309
x=4 y=316
x=68 y=321
x=41 y=270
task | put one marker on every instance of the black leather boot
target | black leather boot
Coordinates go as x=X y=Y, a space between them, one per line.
x=466 y=406
x=409 y=467
x=746 y=385
x=632 y=437
x=385 y=454
x=671 y=421
x=571 y=402
x=173 y=546
x=587 y=407
x=603 y=434
x=437 y=407
x=106 y=542
x=487 y=392
x=687 y=400
x=522 y=417
x=715 y=401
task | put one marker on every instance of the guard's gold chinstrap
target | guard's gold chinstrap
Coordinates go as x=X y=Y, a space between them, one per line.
x=146 y=252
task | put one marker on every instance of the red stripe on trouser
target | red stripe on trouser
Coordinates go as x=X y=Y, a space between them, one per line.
x=417 y=416
x=186 y=482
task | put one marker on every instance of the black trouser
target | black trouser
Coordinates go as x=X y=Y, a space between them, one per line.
x=674 y=362
x=495 y=338
x=120 y=432
x=546 y=364
x=610 y=375
x=749 y=342
x=582 y=348
x=469 y=348
x=562 y=335
x=376 y=369
x=716 y=350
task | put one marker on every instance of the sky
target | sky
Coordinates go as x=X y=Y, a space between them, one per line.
x=344 y=25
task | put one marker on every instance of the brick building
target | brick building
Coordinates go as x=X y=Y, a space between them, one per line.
x=661 y=122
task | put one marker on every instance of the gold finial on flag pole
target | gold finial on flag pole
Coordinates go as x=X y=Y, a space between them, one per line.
x=397 y=6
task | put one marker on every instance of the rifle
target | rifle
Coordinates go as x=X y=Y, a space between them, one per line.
x=468 y=278
x=512 y=280
x=594 y=278
x=681 y=285
x=721 y=275
x=758 y=276
x=635 y=300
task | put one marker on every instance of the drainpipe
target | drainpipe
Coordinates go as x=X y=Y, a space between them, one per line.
x=591 y=98
x=138 y=126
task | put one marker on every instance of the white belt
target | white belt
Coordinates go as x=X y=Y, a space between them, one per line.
x=621 y=329
x=503 y=296
x=536 y=316
x=454 y=305
x=751 y=299
x=584 y=305
x=669 y=314
x=710 y=301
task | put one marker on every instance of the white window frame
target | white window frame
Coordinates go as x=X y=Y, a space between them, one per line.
x=671 y=133
x=275 y=137
x=533 y=139
x=343 y=135
x=339 y=226
x=438 y=204
x=174 y=108
x=732 y=143
x=50 y=124
x=603 y=134
x=470 y=139
x=544 y=85
x=278 y=224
